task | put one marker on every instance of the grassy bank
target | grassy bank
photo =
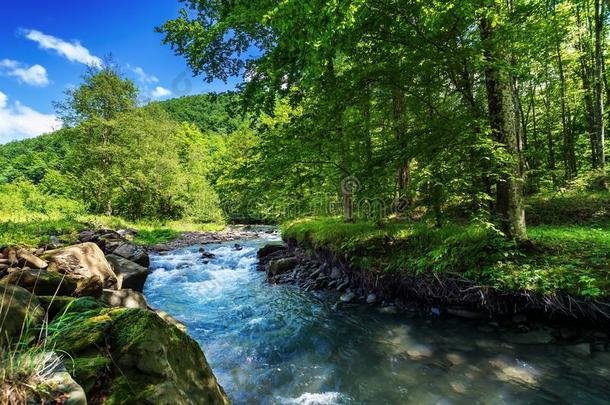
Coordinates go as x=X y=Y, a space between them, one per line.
x=29 y=218
x=566 y=258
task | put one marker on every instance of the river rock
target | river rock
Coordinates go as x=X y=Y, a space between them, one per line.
x=371 y=298
x=81 y=261
x=89 y=287
x=40 y=282
x=63 y=388
x=158 y=364
x=129 y=274
x=18 y=307
x=86 y=236
x=30 y=260
x=270 y=249
x=124 y=298
x=281 y=266
x=390 y=309
x=347 y=297
x=335 y=273
x=171 y=320
x=133 y=252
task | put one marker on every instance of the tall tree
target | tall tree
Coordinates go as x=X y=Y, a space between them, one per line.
x=503 y=121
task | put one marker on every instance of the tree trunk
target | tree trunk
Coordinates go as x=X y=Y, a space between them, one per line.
x=585 y=75
x=600 y=157
x=502 y=117
x=403 y=173
x=569 y=155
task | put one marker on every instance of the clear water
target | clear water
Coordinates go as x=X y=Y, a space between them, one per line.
x=279 y=345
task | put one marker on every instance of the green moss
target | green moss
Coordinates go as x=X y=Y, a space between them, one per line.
x=87 y=370
x=82 y=325
x=127 y=391
x=135 y=324
x=55 y=305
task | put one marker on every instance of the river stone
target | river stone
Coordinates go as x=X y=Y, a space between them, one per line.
x=347 y=297
x=371 y=298
x=130 y=275
x=269 y=249
x=391 y=309
x=124 y=298
x=133 y=252
x=18 y=307
x=281 y=266
x=335 y=273
x=41 y=282
x=171 y=320
x=28 y=259
x=156 y=363
x=81 y=261
x=64 y=389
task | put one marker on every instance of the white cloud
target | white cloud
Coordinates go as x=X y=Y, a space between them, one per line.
x=143 y=76
x=74 y=51
x=35 y=75
x=18 y=121
x=159 y=92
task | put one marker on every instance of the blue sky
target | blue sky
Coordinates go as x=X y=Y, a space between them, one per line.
x=45 y=45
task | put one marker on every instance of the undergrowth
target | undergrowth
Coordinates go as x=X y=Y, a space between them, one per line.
x=569 y=259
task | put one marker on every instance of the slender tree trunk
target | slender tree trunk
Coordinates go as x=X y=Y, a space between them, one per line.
x=569 y=155
x=502 y=117
x=404 y=172
x=550 y=141
x=586 y=75
x=600 y=157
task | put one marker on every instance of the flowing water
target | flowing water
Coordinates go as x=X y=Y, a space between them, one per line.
x=279 y=345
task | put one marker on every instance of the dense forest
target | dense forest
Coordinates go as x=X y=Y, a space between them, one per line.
x=375 y=110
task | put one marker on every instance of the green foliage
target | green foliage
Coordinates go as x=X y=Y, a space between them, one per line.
x=565 y=259
x=29 y=217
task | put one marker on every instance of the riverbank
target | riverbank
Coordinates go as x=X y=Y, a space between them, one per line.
x=562 y=272
x=76 y=328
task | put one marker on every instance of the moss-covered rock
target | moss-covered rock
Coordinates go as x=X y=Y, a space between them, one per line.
x=88 y=370
x=20 y=314
x=160 y=364
x=55 y=305
x=41 y=282
x=126 y=356
x=82 y=325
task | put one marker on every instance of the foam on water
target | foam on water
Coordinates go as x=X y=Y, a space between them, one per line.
x=272 y=344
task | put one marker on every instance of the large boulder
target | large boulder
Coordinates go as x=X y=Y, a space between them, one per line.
x=133 y=356
x=41 y=282
x=20 y=314
x=124 y=298
x=159 y=364
x=129 y=274
x=81 y=261
x=132 y=252
x=281 y=266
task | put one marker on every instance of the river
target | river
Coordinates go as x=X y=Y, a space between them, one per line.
x=279 y=345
